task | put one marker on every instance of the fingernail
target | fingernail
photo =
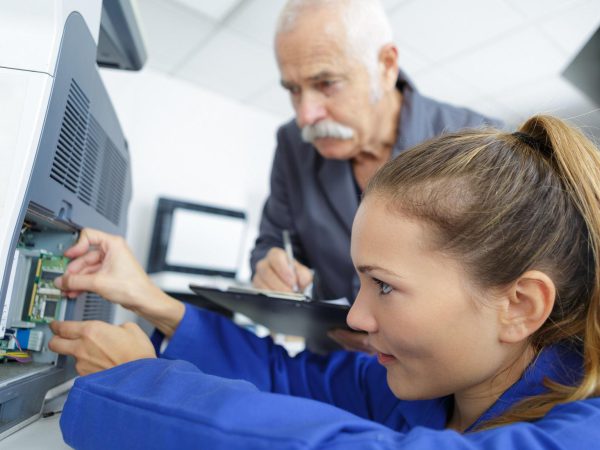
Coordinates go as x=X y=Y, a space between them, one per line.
x=58 y=282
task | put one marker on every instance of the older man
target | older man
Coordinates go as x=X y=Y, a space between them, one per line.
x=354 y=111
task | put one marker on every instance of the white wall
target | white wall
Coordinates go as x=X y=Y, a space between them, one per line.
x=190 y=144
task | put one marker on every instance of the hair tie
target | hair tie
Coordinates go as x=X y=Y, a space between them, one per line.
x=534 y=143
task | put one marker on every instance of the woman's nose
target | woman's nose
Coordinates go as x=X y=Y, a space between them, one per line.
x=360 y=316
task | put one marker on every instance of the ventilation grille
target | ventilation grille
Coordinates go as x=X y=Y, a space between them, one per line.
x=110 y=194
x=66 y=167
x=96 y=308
x=86 y=161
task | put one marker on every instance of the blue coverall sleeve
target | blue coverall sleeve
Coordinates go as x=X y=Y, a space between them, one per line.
x=219 y=347
x=159 y=404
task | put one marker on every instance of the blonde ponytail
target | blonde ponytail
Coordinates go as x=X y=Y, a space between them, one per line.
x=577 y=162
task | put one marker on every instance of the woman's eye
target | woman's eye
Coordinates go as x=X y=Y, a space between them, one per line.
x=384 y=288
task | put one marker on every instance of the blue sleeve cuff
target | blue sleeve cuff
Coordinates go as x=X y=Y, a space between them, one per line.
x=190 y=321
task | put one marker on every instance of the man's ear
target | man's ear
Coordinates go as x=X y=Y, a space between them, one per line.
x=388 y=62
x=528 y=303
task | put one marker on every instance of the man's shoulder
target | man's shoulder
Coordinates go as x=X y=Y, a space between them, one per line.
x=448 y=117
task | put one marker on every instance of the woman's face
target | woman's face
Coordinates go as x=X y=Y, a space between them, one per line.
x=433 y=331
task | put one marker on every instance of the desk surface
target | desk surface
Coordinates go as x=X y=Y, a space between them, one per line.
x=43 y=433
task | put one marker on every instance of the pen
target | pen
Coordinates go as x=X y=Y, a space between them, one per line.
x=287 y=245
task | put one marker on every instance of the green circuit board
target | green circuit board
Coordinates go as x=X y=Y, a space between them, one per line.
x=46 y=301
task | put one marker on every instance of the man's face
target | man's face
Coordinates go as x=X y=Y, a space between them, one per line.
x=329 y=89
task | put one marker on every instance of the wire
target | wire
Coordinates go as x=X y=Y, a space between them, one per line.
x=14 y=336
x=21 y=357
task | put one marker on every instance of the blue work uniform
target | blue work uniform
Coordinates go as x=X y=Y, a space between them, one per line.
x=218 y=386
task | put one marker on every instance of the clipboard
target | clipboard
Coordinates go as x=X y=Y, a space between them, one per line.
x=280 y=313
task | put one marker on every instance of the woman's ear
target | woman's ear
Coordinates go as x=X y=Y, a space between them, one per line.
x=528 y=303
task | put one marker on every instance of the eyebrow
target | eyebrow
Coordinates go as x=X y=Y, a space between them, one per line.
x=371 y=268
x=323 y=75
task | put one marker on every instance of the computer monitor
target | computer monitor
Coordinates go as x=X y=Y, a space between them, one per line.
x=584 y=70
x=195 y=238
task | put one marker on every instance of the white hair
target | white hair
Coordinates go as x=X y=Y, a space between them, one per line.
x=366 y=24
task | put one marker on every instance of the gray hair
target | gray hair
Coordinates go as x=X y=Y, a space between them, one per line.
x=367 y=29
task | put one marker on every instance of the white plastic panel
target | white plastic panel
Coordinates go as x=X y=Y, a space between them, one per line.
x=24 y=100
x=30 y=31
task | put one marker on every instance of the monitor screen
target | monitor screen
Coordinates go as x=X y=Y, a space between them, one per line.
x=197 y=238
x=584 y=70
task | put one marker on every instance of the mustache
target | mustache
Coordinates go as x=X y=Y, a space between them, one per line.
x=326 y=129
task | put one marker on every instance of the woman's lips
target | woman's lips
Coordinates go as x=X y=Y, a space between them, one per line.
x=384 y=358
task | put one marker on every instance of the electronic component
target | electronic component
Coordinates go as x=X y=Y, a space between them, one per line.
x=14 y=345
x=30 y=339
x=26 y=236
x=7 y=343
x=19 y=290
x=46 y=299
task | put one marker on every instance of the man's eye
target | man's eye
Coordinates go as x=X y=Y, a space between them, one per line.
x=384 y=288
x=293 y=90
x=325 y=84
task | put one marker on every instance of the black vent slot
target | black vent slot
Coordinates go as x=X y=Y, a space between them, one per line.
x=110 y=195
x=66 y=166
x=86 y=161
x=89 y=168
x=96 y=308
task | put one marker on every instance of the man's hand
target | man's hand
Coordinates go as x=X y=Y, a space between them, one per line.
x=354 y=341
x=98 y=345
x=103 y=263
x=274 y=273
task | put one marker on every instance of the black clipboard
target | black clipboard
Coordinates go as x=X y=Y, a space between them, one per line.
x=311 y=319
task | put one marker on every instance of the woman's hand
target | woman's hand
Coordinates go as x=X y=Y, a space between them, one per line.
x=98 y=345
x=103 y=263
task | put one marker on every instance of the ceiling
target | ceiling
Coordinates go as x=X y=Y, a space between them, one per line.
x=501 y=57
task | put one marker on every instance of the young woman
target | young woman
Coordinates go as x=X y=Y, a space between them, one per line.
x=480 y=291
